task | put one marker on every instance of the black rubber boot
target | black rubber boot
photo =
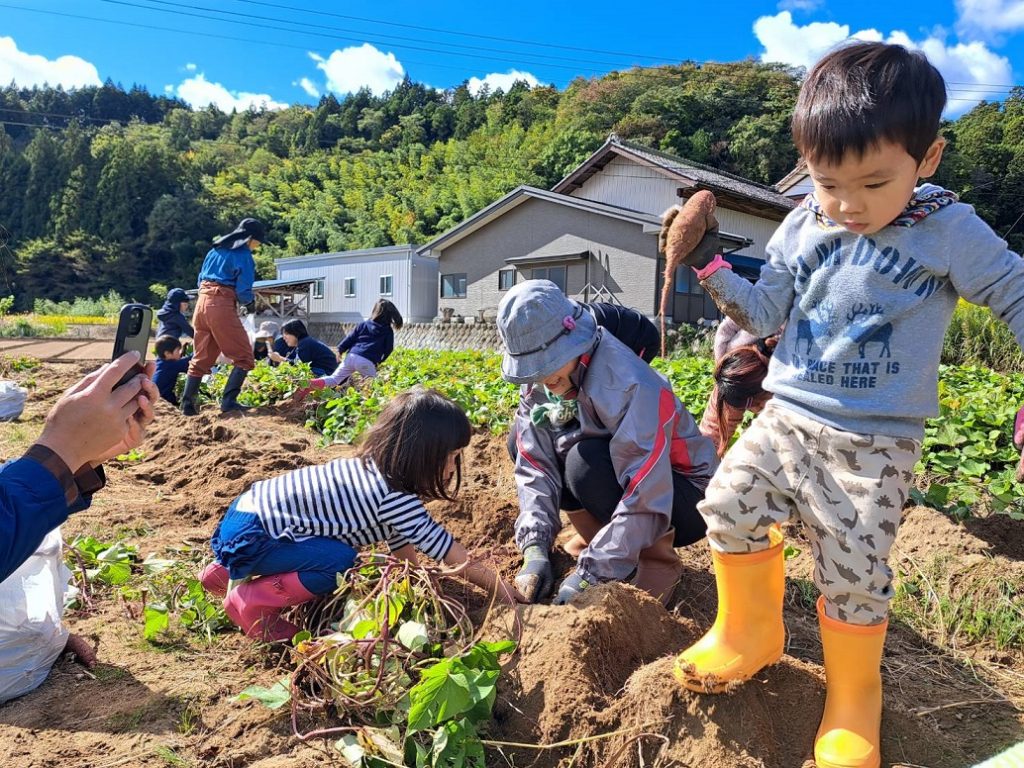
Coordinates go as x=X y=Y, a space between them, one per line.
x=188 y=397
x=229 y=400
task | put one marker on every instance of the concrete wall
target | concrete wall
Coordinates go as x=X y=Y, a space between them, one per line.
x=455 y=336
x=623 y=260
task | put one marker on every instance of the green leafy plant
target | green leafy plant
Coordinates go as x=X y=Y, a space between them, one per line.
x=393 y=655
x=100 y=562
x=968 y=456
x=266 y=384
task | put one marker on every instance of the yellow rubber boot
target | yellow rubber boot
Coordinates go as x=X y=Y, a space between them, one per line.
x=849 y=734
x=748 y=633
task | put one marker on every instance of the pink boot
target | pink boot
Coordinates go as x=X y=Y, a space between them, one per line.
x=214 y=579
x=302 y=392
x=256 y=605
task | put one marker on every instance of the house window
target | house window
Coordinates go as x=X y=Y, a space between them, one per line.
x=350 y=286
x=453 y=286
x=687 y=282
x=385 y=285
x=506 y=278
x=555 y=274
x=318 y=289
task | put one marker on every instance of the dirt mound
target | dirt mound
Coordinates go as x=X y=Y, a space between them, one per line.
x=574 y=660
x=199 y=464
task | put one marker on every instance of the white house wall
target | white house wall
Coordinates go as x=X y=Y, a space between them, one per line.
x=630 y=185
x=367 y=271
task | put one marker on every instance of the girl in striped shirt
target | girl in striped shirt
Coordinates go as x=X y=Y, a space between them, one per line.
x=292 y=534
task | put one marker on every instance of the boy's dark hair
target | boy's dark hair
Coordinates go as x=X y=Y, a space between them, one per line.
x=165 y=344
x=864 y=93
x=411 y=439
x=386 y=313
x=296 y=328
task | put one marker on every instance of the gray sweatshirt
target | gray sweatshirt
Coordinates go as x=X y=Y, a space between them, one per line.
x=867 y=314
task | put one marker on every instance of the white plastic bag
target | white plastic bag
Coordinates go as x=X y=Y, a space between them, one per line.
x=31 y=633
x=12 y=400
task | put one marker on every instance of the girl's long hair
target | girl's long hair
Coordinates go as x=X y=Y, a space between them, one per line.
x=386 y=313
x=739 y=376
x=411 y=440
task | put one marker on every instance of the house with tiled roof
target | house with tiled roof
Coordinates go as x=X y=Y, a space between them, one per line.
x=595 y=234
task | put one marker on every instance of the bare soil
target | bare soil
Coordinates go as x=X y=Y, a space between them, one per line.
x=598 y=668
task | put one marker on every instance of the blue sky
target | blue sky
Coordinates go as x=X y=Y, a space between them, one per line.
x=279 y=52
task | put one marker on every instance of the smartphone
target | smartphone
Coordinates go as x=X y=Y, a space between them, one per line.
x=134 y=325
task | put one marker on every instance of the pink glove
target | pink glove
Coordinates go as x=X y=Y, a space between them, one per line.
x=1018 y=429
x=300 y=394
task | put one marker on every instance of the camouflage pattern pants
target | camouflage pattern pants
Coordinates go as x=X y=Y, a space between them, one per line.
x=847 y=489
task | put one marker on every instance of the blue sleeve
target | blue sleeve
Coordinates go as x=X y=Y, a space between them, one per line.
x=181 y=366
x=350 y=341
x=31 y=505
x=389 y=344
x=187 y=330
x=246 y=271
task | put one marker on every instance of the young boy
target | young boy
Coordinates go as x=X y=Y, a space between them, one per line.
x=169 y=363
x=866 y=272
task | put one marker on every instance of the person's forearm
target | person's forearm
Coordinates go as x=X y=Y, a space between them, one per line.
x=33 y=501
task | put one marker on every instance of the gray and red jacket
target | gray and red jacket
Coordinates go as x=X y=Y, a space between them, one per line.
x=652 y=435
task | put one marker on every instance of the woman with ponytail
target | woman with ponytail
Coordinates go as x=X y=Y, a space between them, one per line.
x=740 y=368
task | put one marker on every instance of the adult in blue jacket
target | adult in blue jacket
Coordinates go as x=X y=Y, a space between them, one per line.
x=302 y=346
x=59 y=473
x=171 y=316
x=224 y=282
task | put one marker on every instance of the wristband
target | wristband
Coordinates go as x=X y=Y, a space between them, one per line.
x=713 y=266
x=55 y=465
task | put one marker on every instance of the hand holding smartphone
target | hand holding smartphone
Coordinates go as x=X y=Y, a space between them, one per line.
x=134 y=326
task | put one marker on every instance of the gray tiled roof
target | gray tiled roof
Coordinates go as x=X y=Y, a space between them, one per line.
x=707 y=176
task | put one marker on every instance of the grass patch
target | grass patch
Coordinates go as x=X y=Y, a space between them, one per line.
x=955 y=604
x=170 y=757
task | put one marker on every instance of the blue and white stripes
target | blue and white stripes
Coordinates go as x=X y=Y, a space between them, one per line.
x=348 y=500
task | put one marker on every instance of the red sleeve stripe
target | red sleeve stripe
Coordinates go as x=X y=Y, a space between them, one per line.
x=666 y=418
x=527 y=456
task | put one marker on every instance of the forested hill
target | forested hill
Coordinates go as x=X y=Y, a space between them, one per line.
x=106 y=188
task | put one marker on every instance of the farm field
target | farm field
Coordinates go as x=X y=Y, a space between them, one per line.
x=594 y=676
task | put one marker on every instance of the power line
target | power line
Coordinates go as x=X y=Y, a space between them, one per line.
x=970 y=87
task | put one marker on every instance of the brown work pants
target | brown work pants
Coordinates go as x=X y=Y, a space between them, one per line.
x=218 y=329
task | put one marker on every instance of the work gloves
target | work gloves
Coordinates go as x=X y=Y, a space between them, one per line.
x=250 y=308
x=573 y=585
x=705 y=250
x=535 y=580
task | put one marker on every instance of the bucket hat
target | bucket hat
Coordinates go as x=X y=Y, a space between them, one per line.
x=542 y=329
x=246 y=228
x=268 y=330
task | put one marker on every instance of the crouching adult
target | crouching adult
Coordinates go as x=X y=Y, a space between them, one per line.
x=601 y=435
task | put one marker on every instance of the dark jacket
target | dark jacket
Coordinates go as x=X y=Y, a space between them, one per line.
x=172 y=322
x=166 y=376
x=370 y=340
x=320 y=357
x=629 y=326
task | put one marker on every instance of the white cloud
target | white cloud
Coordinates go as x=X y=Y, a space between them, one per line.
x=27 y=69
x=799 y=5
x=349 y=69
x=308 y=86
x=190 y=67
x=199 y=92
x=987 y=18
x=961 y=64
x=496 y=80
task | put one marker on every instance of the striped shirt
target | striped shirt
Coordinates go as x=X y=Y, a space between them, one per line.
x=348 y=500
